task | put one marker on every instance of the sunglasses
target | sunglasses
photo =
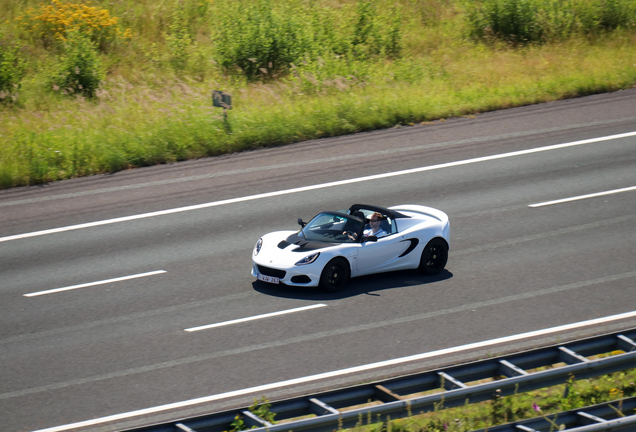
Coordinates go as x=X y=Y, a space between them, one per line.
x=374 y=220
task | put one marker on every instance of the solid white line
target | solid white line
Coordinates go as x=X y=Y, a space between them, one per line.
x=123 y=278
x=582 y=197
x=318 y=186
x=261 y=388
x=252 y=318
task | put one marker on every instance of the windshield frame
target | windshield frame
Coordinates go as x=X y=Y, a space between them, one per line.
x=329 y=226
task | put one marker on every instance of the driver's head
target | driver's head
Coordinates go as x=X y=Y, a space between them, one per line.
x=375 y=219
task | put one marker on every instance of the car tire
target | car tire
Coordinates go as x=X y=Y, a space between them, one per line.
x=335 y=275
x=434 y=256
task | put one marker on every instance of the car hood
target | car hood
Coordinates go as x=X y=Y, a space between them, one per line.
x=287 y=247
x=299 y=244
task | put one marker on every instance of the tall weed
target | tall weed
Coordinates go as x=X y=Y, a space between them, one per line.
x=179 y=39
x=12 y=68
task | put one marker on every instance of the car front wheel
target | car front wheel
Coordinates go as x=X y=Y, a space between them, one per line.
x=434 y=257
x=335 y=275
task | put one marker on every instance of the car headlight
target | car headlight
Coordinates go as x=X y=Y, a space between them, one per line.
x=258 y=246
x=308 y=259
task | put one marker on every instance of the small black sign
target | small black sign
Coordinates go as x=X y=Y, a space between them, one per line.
x=221 y=99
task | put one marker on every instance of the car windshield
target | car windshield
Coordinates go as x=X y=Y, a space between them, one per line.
x=332 y=228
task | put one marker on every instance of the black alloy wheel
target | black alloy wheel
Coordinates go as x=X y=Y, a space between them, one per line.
x=335 y=275
x=434 y=257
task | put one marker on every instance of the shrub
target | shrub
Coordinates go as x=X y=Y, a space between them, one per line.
x=79 y=69
x=528 y=21
x=12 y=68
x=54 y=22
x=374 y=33
x=262 y=38
x=259 y=39
x=605 y=15
x=513 y=21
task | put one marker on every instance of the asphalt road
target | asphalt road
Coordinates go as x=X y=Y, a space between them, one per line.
x=186 y=231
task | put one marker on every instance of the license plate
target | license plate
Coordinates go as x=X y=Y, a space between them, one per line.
x=270 y=279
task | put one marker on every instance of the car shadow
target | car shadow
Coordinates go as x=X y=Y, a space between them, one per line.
x=363 y=285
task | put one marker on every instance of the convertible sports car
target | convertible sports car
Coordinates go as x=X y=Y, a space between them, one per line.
x=336 y=245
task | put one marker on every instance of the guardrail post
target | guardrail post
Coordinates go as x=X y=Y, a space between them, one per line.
x=509 y=370
x=320 y=408
x=586 y=419
x=386 y=395
x=625 y=344
x=450 y=383
x=524 y=428
x=570 y=357
x=251 y=419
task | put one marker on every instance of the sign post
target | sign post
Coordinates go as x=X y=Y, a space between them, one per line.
x=223 y=100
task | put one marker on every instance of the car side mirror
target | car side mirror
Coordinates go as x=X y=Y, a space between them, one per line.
x=301 y=223
x=370 y=239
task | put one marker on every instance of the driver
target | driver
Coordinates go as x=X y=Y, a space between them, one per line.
x=375 y=229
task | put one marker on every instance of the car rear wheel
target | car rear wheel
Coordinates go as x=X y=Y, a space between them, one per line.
x=434 y=257
x=335 y=275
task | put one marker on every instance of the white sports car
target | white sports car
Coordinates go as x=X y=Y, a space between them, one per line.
x=337 y=245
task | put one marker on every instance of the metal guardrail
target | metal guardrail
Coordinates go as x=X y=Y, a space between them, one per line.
x=457 y=385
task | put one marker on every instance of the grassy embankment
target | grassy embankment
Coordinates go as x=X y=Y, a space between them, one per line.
x=87 y=93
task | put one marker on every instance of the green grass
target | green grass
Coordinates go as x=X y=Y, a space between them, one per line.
x=154 y=105
x=501 y=410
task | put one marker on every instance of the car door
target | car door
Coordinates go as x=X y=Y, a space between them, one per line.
x=380 y=255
